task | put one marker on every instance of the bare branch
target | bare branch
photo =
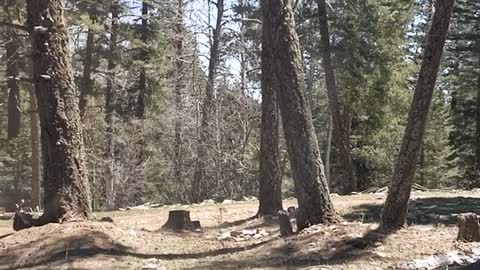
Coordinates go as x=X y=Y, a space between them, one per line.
x=14 y=26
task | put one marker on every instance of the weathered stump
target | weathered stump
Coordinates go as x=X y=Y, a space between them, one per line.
x=22 y=221
x=285 y=225
x=468 y=228
x=179 y=220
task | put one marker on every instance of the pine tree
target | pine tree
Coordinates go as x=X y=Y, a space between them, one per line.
x=311 y=188
x=396 y=205
x=67 y=192
x=463 y=60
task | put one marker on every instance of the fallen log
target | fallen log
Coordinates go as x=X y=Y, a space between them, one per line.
x=464 y=260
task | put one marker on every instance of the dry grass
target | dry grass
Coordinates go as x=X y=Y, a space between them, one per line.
x=135 y=240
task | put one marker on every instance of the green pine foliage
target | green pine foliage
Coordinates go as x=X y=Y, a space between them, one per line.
x=463 y=78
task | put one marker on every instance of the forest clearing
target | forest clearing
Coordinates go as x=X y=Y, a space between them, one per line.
x=135 y=239
x=240 y=134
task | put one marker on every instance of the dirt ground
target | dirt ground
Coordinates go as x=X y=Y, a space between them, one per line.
x=135 y=241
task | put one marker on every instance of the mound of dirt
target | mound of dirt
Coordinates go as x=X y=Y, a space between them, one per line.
x=58 y=242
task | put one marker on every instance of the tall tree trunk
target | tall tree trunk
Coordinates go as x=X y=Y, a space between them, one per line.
x=270 y=180
x=421 y=165
x=341 y=134
x=396 y=205
x=86 y=86
x=329 y=149
x=36 y=150
x=67 y=192
x=110 y=106
x=142 y=82
x=243 y=60
x=12 y=48
x=200 y=187
x=311 y=188
x=179 y=85
x=477 y=132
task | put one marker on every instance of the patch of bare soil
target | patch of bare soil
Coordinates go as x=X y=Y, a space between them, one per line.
x=230 y=240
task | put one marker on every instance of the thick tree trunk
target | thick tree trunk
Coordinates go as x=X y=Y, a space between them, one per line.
x=179 y=85
x=36 y=150
x=270 y=180
x=67 y=192
x=311 y=188
x=200 y=187
x=341 y=135
x=87 y=83
x=12 y=48
x=396 y=205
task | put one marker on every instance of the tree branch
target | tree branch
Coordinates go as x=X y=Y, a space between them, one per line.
x=14 y=26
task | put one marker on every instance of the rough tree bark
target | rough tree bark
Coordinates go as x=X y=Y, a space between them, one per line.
x=341 y=136
x=199 y=187
x=36 y=150
x=396 y=205
x=270 y=180
x=311 y=189
x=86 y=85
x=179 y=85
x=67 y=192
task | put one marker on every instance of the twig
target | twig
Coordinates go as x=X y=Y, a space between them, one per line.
x=15 y=26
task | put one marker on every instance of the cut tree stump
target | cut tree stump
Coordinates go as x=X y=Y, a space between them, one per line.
x=468 y=228
x=285 y=225
x=179 y=220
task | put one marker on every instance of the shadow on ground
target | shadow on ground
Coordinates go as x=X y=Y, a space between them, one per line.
x=423 y=211
x=69 y=249
x=289 y=254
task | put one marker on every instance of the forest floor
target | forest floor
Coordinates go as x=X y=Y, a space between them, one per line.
x=229 y=240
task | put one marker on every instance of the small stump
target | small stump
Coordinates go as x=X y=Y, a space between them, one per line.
x=468 y=228
x=285 y=225
x=179 y=220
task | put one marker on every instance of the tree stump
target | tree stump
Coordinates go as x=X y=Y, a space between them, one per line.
x=285 y=225
x=179 y=220
x=468 y=228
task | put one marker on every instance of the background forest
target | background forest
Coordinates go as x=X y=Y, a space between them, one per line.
x=146 y=83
